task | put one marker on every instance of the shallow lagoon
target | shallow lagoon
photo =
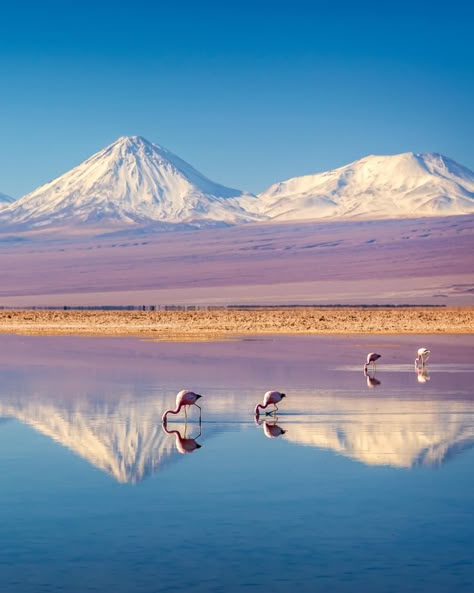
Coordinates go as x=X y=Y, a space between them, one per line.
x=359 y=484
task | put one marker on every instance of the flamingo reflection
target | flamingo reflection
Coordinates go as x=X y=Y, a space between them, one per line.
x=371 y=380
x=270 y=428
x=421 y=368
x=183 y=443
x=422 y=374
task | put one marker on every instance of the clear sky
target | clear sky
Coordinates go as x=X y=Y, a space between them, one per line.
x=247 y=92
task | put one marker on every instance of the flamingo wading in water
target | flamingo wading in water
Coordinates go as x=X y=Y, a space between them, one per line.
x=371 y=358
x=184 y=399
x=422 y=356
x=271 y=397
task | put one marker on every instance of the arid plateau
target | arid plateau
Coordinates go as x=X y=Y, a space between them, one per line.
x=409 y=261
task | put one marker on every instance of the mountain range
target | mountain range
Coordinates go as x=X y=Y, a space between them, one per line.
x=402 y=185
x=136 y=182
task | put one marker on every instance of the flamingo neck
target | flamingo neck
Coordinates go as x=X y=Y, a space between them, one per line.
x=257 y=412
x=163 y=419
x=176 y=432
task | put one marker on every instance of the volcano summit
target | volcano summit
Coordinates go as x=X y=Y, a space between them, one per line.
x=130 y=181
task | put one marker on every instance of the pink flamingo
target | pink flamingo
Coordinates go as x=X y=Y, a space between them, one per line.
x=184 y=398
x=371 y=358
x=422 y=356
x=184 y=445
x=271 y=397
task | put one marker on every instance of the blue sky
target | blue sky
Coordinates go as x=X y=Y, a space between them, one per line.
x=247 y=92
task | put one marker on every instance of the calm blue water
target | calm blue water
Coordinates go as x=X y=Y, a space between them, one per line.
x=357 y=485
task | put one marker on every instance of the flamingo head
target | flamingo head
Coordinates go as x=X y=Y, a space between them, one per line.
x=257 y=411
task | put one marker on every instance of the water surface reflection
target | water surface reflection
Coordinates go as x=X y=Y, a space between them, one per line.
x=124 y=437
x=322 y=489
x=270 y=428
x=371 y=379
x=422 y=374
x=184 y=444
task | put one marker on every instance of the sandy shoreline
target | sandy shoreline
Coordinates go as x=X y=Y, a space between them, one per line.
x=229 y=324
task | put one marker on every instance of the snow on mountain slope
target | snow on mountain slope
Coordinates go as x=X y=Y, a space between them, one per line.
x=135 y=181
x=401 y=185
x=131 y=180
x=5 y=200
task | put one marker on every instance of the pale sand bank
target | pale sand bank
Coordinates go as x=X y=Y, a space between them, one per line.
x=229 y=324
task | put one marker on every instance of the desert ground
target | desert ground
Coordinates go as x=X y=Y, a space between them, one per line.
x=215 y=324
x=396 y=262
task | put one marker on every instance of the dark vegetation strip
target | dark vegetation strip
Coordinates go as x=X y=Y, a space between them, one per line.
x=213 y=307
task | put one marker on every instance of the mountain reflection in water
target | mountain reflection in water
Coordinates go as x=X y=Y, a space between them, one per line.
x=124 y=437
x=398 y=432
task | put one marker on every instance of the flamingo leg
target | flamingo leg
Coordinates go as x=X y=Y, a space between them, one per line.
x=186 y=413
x=273 y=411
x=200 y=413
x=199 y=426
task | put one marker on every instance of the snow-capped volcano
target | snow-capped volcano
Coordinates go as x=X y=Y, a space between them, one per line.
x=131 y=180
x=401 y=185
x=136 y=181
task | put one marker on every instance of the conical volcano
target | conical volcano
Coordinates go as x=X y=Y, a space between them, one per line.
x=130 y=181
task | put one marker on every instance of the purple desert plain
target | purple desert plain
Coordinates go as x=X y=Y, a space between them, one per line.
x=400 y=261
